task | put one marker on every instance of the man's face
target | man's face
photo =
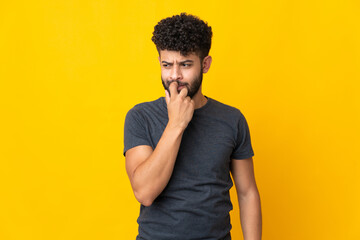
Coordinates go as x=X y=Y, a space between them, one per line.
x=186 y=71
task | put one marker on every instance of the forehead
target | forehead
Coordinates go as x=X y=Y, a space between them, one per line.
x=175 y=56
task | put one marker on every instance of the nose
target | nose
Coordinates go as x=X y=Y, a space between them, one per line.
x=175 y=73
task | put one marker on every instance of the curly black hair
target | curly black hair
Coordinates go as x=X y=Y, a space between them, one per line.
x=185 y=33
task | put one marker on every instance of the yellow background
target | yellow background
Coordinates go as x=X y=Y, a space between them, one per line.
x=70 y=70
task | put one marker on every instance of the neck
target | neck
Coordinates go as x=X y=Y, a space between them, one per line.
x=199 y=99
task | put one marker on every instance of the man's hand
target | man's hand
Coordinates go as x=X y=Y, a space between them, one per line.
x=149 y=170
x=180 y=107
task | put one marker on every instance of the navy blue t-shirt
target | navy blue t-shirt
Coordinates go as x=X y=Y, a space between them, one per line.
x=195 y=204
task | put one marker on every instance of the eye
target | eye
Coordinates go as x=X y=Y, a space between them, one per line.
x=186 y=65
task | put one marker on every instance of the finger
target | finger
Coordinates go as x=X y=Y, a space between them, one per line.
x=167 y=97
x=173 y=89
x=183 y=92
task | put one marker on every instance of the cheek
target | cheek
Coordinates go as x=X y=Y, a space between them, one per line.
x=164 y=74
x=187 y=72
x=189 y=75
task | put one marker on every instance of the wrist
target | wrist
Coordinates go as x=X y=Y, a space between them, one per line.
x=175 y=128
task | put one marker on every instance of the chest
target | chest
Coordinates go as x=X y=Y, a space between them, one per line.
x=205 y=148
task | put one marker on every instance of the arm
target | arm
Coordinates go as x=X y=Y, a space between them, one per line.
x=150 y=170
x=248 y=197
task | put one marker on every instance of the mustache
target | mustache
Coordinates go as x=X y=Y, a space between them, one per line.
x=178 y=82
x=166 y=85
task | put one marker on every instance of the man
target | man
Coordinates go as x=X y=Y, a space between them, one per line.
x=181 y=149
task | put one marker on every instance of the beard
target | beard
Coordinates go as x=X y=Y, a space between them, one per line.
x=192 y=89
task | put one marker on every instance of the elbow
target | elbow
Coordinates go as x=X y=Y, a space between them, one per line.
x=143 y=199
x=252 y=194
x=147 y=203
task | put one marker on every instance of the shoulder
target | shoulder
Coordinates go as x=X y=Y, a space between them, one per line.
x=226 y=110
x=147 y=107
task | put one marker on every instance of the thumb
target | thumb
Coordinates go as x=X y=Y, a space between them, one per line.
x=167 y=97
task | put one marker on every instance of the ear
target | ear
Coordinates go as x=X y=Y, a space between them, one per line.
x=206 y=63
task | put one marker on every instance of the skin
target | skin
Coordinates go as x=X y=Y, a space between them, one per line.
x=184 y=69
x=149 y=170
x=186 y=66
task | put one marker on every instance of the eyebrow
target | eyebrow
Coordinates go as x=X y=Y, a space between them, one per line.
x=182 y=62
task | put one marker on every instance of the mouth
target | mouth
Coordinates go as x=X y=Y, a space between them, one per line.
x=181 y=87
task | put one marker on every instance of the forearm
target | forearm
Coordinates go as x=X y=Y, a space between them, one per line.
x=151 y=177
x=250 y=215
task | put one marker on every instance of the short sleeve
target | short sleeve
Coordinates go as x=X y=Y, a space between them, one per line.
x=135 y=132
x=243 y=148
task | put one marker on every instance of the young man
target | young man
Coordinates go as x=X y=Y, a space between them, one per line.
x=181 y=148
